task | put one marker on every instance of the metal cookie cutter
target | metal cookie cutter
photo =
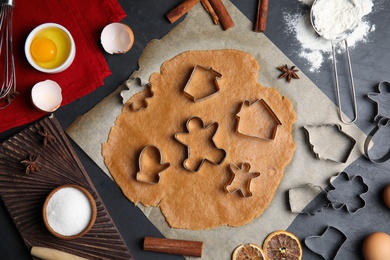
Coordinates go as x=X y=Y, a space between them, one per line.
x=328 y=244
x=181 y=138
x=139 y=100
x=382 y=100
x=150 y=165
x=207 y=85
x=308 y=199
x=347 y=185
x=343 y=156
x=243 y=170
x=258 y=127
x=383 y=122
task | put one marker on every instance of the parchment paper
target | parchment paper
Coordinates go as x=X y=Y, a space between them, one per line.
x=196 y=32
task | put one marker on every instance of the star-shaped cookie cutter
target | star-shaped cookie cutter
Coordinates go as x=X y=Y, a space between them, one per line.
x=189 y=150
x=246 y=167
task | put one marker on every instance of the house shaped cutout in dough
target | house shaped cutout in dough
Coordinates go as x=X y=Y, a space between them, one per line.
x=257 y=120
x=202 y=84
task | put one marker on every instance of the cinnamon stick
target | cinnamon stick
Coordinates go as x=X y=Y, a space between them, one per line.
x=180 y=10
x=223 y=15
x=261 y=18
x=209 y=9
x=173 y=246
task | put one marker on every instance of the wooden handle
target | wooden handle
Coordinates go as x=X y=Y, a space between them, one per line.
x=261 y=18
x=180 y=10
x=52 y=254
x=173 y=246
x=223 y=15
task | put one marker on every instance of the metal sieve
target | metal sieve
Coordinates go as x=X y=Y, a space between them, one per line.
x=335 y=38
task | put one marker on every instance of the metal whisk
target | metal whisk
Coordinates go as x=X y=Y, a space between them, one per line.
x=8 y=87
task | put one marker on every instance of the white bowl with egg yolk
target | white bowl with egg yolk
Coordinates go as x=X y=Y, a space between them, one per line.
x=50 y=48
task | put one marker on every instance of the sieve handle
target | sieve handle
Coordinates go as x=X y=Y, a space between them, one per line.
x=353 y=95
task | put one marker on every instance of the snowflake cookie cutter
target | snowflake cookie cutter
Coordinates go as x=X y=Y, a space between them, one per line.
x=328 y=244
x=244 y=168
x=301 y=197
x=344 y=155
x=383 y=122
x=263 y=130
x=217 y=158
x=339 y=201
x=198 y=81
x=150 y=174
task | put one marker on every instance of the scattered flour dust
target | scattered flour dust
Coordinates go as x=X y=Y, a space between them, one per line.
x=315 y=48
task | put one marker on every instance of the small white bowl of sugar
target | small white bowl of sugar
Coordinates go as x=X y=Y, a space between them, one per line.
x=69 y=211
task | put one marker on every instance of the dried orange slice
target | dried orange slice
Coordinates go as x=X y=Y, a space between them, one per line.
x=282 y=245
x=248 y=252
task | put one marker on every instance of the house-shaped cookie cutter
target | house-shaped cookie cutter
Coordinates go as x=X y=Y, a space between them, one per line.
x=213 y=83
x=300 y=197
x=262 y=105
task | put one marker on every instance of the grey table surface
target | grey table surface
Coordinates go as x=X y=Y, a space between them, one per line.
x=370 y=64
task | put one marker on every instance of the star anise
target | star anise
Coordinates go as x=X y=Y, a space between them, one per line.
x=47 y=137
x=31 y=164
x=288 y=73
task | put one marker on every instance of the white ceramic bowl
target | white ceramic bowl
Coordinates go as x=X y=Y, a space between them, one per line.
x=65 y=64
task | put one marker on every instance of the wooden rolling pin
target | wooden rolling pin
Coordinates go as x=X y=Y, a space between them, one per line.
x=173 y=246
x=52 y=254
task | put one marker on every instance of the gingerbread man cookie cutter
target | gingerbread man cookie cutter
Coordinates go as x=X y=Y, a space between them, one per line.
x=245 y=168
x=207 y=153
x=382 y=118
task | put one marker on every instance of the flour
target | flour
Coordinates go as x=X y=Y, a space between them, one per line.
x=314 y=48
x=332 y=18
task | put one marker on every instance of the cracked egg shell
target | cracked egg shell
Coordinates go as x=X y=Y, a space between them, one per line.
x=46 y=95
x=117 y=38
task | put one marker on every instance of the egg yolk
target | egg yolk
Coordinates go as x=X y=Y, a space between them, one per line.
x=43 y=49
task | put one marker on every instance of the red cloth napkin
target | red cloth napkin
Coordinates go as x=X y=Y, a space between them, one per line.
x=85 y=20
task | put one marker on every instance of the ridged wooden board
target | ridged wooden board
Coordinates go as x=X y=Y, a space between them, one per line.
x=24 y=194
